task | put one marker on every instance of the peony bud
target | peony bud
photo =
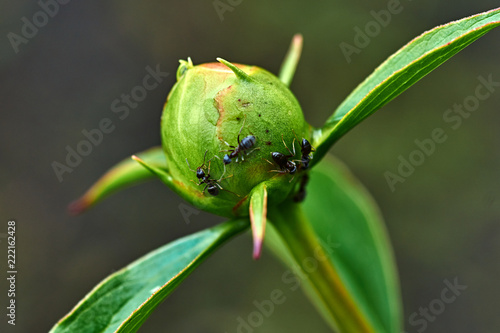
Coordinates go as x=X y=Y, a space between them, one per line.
x=208 y=110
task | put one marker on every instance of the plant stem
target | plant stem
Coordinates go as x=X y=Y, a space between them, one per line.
x=302 y=242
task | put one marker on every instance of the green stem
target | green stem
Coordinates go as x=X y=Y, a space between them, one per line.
x=301 y=240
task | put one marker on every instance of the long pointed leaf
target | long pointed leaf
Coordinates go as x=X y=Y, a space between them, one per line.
x=126 y=173
x=400 y=71
x=258 y=216
x=291 y=60
x=124 y=300
x=349 y=230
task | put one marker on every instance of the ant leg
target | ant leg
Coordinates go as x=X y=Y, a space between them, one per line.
x=248 y=153
x=226 y=190
x=227 y=144
x=225 y=178
x=278 y=171
x=209 y=162
x=224 y=172
x=282 y=172
x=228 y=150
x=201 y=182
x=230 y=146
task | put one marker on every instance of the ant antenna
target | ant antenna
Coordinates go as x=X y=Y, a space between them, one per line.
x=189 y=165
x=204 y=156
x=201 y=166
x=224 y=172
x=243 y=125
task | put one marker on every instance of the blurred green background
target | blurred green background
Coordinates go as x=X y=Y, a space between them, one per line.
x=443 y=220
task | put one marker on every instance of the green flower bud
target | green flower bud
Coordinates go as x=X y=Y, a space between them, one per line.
x=209 y=107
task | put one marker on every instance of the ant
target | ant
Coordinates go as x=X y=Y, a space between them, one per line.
x=306 y=149
x=282 y=160
x=243 y=145
x=212 y=185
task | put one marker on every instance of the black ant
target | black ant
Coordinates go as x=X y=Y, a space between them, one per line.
x=306 y=149
x=243 y=145
x=212 y=185
x=282 y=160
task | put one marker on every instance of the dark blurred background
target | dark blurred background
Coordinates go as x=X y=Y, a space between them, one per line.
x=443 y=220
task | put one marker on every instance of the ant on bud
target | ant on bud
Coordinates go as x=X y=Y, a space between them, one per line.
x=212 y=186
x=243 y=145
x=306 y=149
x=282 y=160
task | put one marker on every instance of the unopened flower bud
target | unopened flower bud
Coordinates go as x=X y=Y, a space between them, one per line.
x=222 y=127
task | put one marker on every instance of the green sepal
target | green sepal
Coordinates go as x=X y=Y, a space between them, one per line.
x=258 y=216
x=122 y=175
x=291 y=60
x=237 y=71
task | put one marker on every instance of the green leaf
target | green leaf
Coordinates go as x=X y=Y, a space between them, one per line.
x=126 y=173
x=400 y=71
x=291 y=60
x=124 y=300
x=358 y=290
x=258 y=215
